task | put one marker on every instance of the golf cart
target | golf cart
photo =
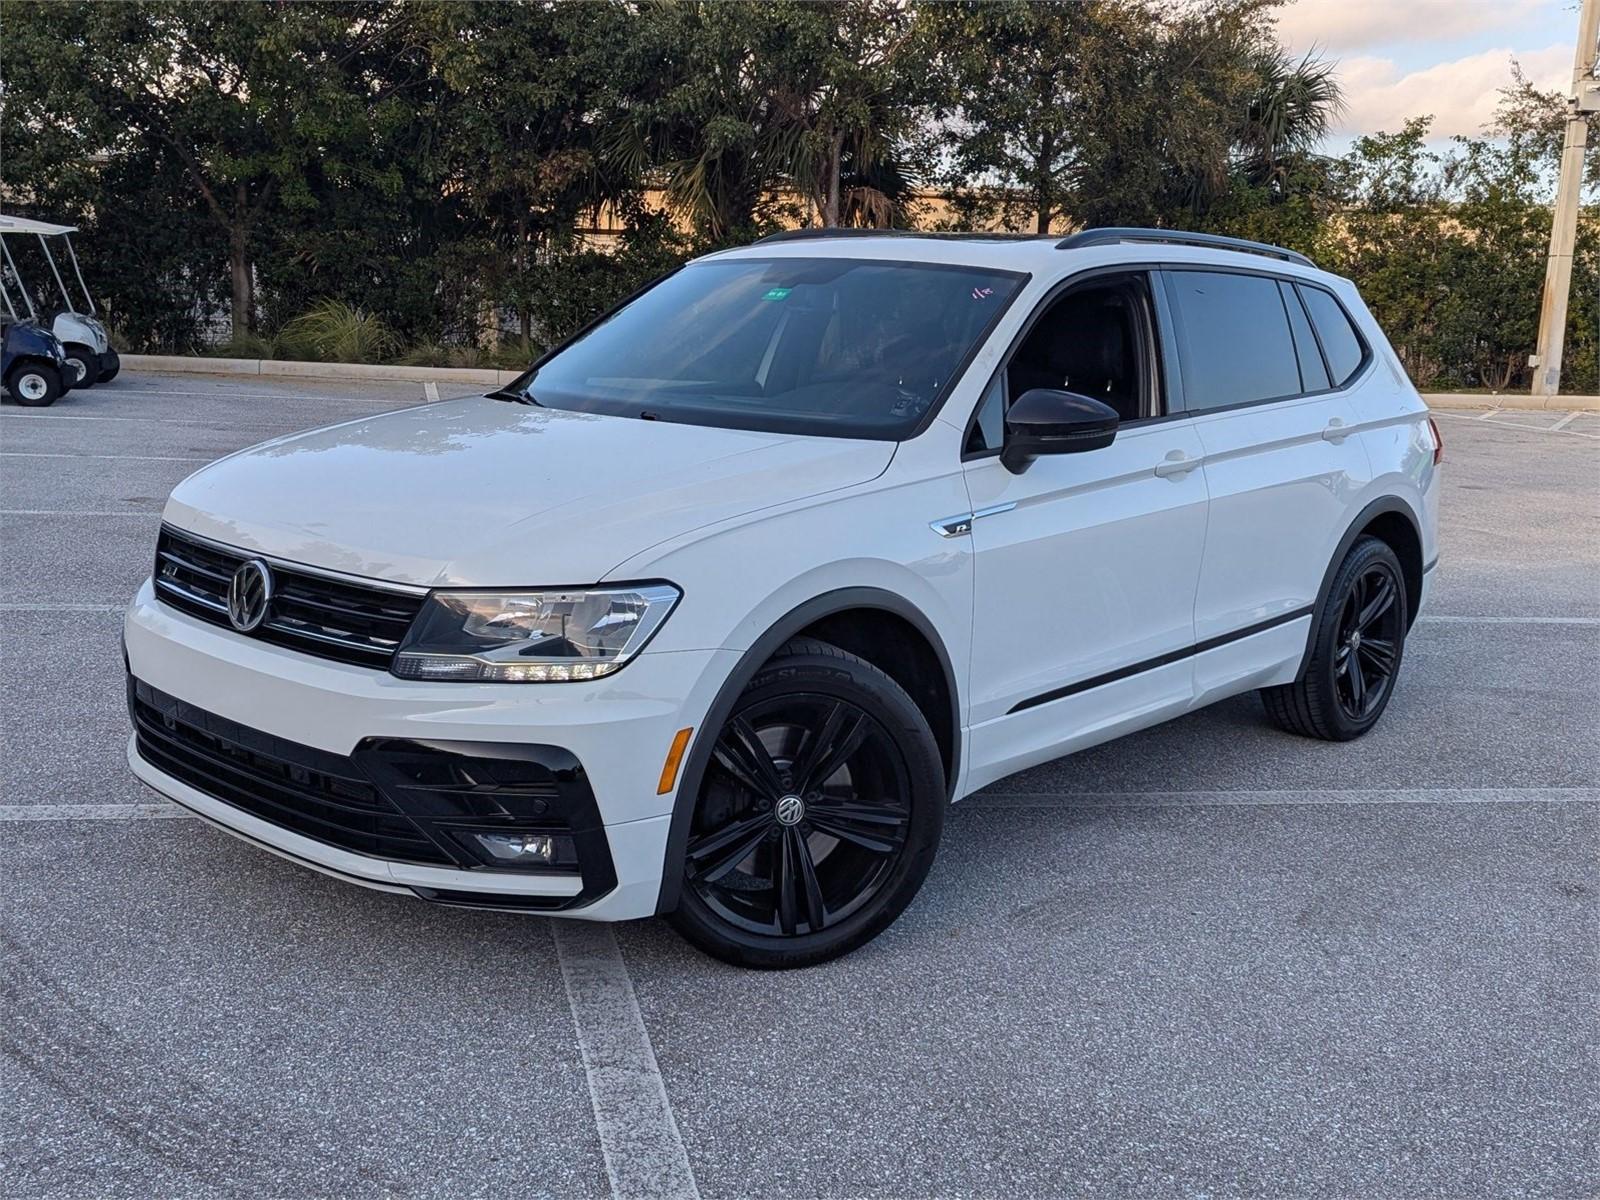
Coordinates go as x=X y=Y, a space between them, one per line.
x=90 y=354
x=33 y=363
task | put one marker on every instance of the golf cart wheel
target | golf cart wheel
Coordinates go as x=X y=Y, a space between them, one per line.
x=818 y=816
x=110 y=374
x=34 y=385
x=85 y=363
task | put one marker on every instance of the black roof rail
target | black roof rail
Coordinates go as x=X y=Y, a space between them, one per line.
x=1176 y=237
x=848 y=231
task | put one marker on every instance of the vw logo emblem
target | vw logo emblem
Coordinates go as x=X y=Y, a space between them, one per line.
x=249 y=595
x=790 y=810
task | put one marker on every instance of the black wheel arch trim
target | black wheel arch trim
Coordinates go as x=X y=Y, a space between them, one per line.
x=1379 y=507
x=753 y=659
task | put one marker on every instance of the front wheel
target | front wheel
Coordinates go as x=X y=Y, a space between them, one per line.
x=1355 y=653
x=84 y=363
x=818 y=816
x=34 y=384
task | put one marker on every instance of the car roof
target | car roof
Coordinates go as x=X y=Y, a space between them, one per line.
x=1046 y=255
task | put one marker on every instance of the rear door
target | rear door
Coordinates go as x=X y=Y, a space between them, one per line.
x=1281 y=466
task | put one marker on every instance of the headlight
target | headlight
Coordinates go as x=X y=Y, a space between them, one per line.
x=531 y=637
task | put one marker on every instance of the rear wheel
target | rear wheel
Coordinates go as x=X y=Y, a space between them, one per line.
x=1355 y=657
x=818 y=816
x=34 y=384
x=84 y=363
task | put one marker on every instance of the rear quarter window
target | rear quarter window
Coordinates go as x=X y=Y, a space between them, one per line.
x=1341 y=344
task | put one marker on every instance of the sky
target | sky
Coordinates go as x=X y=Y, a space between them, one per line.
x=1403 y=58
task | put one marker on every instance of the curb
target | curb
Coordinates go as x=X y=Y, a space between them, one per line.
x=182 y=364
x=1512 y=400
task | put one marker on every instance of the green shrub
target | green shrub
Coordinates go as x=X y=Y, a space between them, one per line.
x=247 y=345
x=333 y=331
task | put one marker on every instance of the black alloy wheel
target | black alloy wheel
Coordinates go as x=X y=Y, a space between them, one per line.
x=818 y=815
x=1367 y=644
x=1357 y=645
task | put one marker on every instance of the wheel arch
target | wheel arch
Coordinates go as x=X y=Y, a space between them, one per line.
x=1392 y=521
x=851 y=614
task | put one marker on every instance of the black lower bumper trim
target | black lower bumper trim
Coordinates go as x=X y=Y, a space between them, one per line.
x=393 y=800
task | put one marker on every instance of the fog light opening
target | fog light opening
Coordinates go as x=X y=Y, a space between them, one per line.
x=521 y=849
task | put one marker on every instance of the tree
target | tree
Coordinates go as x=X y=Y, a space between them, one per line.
x=245 y=97
x=529 y=85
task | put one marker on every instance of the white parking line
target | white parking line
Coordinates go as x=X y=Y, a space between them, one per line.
x=1484 y=418
x=102 y=608
x=1444 y=619
x=335 y=398
x=1565 y=421
x=79 y=512
x=639 y=1137
x=131 y=457
x=92 y=812
x=1284 y=797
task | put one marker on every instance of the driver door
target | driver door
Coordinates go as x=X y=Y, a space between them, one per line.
x=1086 y=563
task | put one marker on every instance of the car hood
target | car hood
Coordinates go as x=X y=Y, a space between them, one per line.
x=485 y=492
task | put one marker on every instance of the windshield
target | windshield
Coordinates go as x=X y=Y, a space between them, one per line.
x=841 y=347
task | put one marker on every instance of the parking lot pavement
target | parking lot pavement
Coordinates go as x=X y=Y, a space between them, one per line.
x=1208 y=959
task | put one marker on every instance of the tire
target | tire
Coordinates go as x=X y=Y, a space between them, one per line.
x=84 y=360
x=818 y=816
x=1356 y=651
x=108 y=376
x=35 y=385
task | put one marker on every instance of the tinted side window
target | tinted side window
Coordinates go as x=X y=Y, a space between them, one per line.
x=1236 y=339
x=1340 y=342
x=1313 y=373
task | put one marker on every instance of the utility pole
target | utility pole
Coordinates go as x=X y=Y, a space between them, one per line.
x=1564 y=226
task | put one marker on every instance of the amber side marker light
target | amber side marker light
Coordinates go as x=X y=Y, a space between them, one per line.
x=669 y=769
x=1438 y=442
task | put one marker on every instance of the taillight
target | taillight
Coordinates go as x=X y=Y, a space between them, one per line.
x=1438 y=442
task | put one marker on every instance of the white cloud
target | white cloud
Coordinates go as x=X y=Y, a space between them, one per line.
x=1341 y=25
x=1462 y=95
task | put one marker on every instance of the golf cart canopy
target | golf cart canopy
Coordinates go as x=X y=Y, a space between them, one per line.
x=42 y=228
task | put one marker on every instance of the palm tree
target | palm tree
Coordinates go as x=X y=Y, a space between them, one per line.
x=1291 y=111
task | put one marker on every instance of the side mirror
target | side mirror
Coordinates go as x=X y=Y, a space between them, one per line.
x=1048 y=421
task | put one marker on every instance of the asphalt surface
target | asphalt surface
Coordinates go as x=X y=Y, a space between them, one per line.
x=1210 y=959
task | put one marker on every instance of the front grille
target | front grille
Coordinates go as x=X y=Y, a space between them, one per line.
x=315 y=793
x=330 y=618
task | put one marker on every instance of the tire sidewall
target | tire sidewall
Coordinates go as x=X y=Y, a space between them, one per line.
x=883 y=700
x=1366 y=553
x=52 y=381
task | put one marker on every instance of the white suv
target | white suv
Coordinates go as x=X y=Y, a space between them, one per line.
x=714 y=610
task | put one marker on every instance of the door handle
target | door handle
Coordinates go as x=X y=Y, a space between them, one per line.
x=1336 y=430
x=1176 y=465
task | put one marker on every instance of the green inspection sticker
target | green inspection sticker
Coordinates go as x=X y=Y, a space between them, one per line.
x=777 y=293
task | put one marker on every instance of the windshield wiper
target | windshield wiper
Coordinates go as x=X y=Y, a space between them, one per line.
x=514 y=396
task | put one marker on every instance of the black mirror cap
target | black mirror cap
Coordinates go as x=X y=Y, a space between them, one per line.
x=1051 y=421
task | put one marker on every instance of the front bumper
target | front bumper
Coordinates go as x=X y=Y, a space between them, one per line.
x=110 y=364
x=618 y=729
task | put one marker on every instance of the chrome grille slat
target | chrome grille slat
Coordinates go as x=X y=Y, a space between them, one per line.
x=310 y=611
